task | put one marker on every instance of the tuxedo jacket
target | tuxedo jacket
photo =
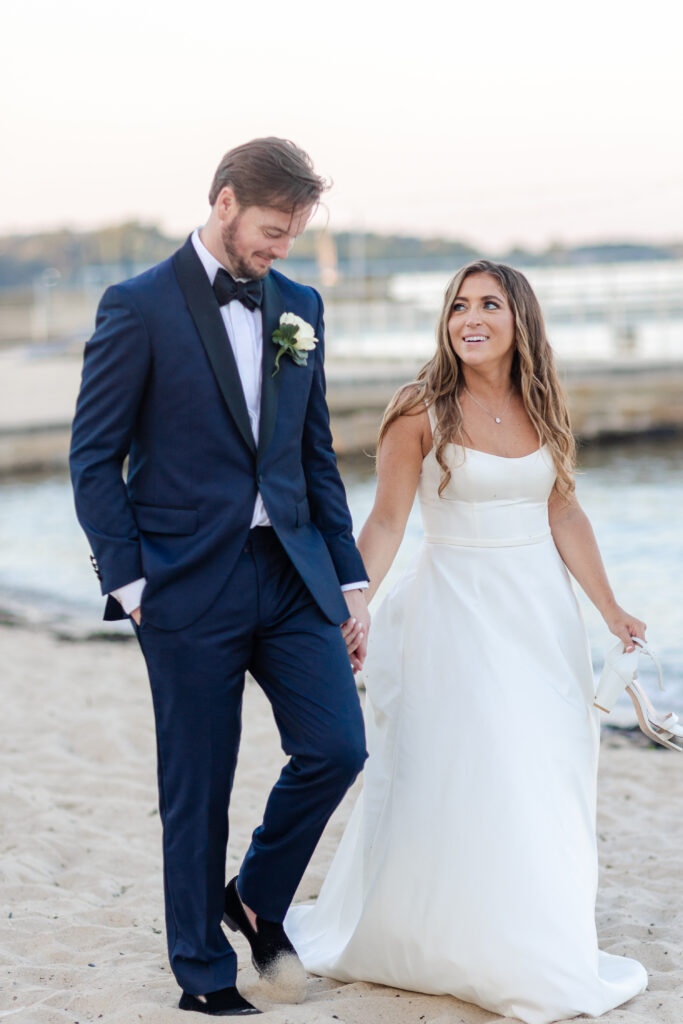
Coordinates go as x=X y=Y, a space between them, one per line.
x=160 y=386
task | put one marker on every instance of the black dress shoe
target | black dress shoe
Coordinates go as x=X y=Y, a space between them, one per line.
x=272 y=954
x=226 y=1002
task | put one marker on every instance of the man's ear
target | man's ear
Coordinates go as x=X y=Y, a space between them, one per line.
x=226 y=205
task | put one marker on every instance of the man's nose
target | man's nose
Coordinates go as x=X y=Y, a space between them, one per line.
x=281 y=247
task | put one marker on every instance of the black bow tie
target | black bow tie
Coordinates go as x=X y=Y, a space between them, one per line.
x=226 y=288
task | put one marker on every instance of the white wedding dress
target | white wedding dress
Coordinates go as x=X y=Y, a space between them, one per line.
x=469 y=864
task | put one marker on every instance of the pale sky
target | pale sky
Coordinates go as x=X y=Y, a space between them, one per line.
x=495 y=122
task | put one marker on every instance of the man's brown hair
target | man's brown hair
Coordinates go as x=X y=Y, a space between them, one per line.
x=269 y=172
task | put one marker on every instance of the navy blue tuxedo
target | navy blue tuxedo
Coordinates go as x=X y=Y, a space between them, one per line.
x=160 y=387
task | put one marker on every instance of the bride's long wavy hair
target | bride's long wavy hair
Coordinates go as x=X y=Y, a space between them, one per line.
x=440 y=381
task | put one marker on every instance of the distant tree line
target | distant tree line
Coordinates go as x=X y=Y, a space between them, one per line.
x=24 y=258
x=132 y=246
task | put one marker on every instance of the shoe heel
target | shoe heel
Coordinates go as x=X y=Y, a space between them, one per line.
x=230 y=923
x=610 y=688
x=620 y=669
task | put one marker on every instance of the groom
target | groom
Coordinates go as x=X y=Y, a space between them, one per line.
x=229 y=544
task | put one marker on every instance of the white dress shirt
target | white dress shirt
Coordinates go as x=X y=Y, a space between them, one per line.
x=245 y=331
x=244 y=328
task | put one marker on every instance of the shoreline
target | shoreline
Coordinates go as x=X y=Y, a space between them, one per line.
x=82 y=933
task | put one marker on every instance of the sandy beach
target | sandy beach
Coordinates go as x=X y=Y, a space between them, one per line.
x=81 y=914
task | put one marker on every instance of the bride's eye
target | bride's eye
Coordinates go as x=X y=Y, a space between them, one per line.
x=458 y=307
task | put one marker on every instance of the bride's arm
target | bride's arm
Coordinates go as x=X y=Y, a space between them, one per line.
x=578 y=548
x=399 y=461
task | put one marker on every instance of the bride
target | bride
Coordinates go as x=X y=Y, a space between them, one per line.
x=469 y=864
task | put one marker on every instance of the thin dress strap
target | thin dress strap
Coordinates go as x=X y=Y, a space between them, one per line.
x=431 y=412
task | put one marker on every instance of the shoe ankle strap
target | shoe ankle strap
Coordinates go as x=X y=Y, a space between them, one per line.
x=646 y=650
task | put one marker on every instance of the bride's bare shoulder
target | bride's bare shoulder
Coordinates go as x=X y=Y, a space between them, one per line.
x=409 y=424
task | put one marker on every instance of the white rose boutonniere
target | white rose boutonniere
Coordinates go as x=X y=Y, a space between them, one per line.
x=295 y=337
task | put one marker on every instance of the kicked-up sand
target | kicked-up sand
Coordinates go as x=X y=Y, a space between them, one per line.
x=81 y=906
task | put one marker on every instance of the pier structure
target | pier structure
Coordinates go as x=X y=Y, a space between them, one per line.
x=607 y=401
x=617 y=330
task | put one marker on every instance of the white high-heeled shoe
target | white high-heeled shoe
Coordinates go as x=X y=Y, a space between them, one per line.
x=621 y=673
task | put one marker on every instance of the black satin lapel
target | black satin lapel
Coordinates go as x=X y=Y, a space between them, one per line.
x=272 y=310
x=205 y=312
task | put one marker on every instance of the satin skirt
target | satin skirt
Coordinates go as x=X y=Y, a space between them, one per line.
x=469 y=864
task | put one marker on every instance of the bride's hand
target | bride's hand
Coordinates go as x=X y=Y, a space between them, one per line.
x=352 y=631
x=625 y=626
x=355 y=629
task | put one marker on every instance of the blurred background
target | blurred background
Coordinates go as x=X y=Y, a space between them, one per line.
x=546 y=137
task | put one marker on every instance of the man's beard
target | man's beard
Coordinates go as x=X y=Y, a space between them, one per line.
x=237 y=264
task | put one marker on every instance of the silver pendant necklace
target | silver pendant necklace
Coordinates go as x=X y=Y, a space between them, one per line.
x=496 y=419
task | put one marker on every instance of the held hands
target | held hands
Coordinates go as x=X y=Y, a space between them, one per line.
x=624 y=626
x=355 y=629
x=136 y=615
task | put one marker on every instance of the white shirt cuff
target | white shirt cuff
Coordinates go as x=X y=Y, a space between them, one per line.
x=130 y=595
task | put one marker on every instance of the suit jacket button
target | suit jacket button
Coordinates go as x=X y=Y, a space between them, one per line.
x=259 y=479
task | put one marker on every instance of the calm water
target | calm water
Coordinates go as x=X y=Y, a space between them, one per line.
x=633 y=494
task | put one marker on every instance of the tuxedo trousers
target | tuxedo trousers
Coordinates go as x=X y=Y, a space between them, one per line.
x=265 y=622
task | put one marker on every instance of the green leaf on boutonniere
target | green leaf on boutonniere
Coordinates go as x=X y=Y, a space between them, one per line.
x=295 y=337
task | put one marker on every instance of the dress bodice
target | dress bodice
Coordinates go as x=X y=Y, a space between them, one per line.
x=489 y=500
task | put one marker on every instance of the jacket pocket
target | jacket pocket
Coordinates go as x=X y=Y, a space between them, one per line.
x=157 y=519
x=303 y=512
